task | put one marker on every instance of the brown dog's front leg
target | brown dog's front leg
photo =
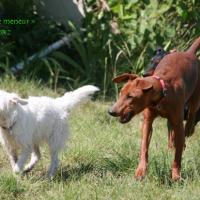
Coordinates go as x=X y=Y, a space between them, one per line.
x=148 y=118
x=179 y=141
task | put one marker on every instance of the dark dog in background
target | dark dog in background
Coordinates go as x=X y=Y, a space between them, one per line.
x=158 y=56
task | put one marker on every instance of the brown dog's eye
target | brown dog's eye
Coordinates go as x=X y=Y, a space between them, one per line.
x=133 y=96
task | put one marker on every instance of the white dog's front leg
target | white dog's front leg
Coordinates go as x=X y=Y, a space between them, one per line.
x=12 y=154
x=35 y=156
x=9 y=145
x=13 y=159
x=18 y=167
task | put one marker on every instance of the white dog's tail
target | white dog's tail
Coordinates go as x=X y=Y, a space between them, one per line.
x=71 y=99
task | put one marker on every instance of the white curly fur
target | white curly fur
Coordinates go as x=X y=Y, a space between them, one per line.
x=25 y=124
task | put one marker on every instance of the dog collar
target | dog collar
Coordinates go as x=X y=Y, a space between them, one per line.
x=9 y=128
x=162 y=83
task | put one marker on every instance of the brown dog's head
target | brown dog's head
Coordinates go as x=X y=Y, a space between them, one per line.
x=137 y=94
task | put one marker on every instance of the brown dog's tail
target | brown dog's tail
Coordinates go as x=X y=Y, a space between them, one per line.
x=195 y=46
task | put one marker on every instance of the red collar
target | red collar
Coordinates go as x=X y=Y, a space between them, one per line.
x=162 y=83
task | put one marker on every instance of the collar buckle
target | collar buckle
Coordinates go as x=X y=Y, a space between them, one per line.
x=164 y=92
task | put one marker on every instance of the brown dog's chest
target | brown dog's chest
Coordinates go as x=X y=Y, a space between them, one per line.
x=162 y=109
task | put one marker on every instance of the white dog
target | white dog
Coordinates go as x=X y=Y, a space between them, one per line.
x=25 y=124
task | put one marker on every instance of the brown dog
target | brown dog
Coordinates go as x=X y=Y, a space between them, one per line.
x=175 y=83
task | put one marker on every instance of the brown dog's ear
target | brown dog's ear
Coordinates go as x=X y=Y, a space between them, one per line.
x=144 y=85
x=147 y=88
x=124 y=77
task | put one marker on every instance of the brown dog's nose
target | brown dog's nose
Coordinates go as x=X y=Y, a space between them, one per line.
x=112 y=112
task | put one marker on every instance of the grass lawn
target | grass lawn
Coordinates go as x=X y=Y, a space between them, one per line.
x=101 y=158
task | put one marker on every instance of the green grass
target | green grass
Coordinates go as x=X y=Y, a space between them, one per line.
x=101 y=158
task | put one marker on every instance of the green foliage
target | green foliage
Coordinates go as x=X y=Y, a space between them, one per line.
x=116 y=38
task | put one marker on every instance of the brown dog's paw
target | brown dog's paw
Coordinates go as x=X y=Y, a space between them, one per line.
x=140 y=173
x=176 y=174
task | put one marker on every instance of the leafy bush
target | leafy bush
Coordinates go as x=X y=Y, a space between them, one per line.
x=116 y=37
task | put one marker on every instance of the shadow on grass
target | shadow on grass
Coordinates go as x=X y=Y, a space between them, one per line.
x=122 y=165
x=117 y=167
x=74 y=172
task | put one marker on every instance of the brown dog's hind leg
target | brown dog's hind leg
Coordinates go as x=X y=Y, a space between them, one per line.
x=191 y=118
x=148 y=118
x=193 y=107
x=171 y=137
x=190 y=124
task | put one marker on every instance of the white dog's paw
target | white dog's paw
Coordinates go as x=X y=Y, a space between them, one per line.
x=50 y=175
x=16 y=169
x=28 y=168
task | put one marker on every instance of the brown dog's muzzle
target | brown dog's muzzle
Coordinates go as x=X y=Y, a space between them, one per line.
x=126 y=117
x=123 y=117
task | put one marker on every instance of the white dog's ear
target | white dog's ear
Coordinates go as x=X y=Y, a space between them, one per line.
x=22 y=101
x=15 y=100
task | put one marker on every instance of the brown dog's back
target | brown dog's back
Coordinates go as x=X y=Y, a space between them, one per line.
x=180 y=68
